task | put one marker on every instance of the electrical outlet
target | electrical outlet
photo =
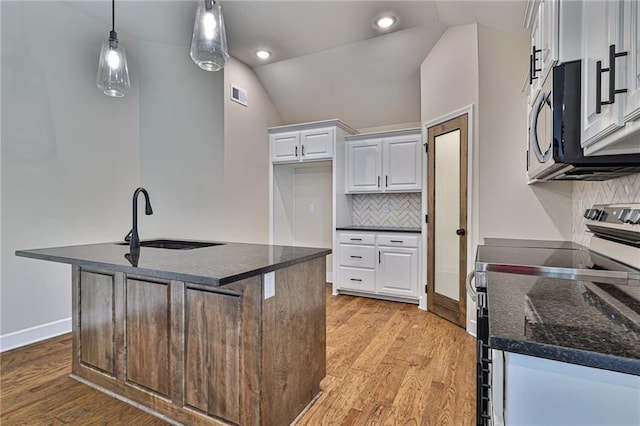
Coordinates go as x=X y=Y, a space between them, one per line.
x=312 y=208
x=269 y=285
x=385 y=208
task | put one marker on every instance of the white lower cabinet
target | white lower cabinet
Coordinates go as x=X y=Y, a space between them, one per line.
x=398 y=272
x=380 y=264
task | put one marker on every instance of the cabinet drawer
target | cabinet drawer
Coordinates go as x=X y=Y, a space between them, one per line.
x=358 y=256
x=357 y=238
x=357 y=279
x=392 y=240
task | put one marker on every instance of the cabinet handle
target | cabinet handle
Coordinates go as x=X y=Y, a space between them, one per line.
x=356 y=257
x=378 y=181
x=612 y=79
x=303 y=150
x=296 y=151
x=386 y=181
x=379 y=257
x=355 y=279
x=532 y=64
x=397 y=241
x=355 y=239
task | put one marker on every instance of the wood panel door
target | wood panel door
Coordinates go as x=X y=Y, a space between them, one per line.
x=97 y=327
x=212 y=359
x=148 y=335
x=447 y=227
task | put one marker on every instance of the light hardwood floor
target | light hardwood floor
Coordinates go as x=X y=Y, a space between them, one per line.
x=387 y=364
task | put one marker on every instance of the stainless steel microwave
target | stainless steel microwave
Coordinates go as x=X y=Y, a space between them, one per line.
x=554 y=150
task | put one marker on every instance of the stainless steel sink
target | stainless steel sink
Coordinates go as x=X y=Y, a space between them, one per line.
x=175 y=244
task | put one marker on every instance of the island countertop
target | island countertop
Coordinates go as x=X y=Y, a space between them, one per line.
x=216 y=265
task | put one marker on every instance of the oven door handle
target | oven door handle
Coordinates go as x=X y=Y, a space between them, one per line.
x=470 y=290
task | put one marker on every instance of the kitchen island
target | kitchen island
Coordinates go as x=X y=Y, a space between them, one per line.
x=213 y=335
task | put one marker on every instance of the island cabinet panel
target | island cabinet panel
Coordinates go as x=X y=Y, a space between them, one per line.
x=97 y=321
x=293 y=341
x=212 y=359
x=148 y=326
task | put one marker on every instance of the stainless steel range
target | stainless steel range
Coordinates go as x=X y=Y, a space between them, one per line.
x=613 y=257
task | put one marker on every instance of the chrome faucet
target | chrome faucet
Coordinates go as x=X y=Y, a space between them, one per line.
x=132 y=237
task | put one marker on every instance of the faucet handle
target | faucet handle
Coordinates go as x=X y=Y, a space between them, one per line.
x=128 y=236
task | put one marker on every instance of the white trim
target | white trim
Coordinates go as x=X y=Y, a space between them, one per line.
x=329 y=277
x=35 y=334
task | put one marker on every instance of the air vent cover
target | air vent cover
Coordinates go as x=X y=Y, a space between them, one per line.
x=239 y=95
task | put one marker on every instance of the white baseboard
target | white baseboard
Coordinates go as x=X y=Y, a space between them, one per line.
x=330 y=277
x=35 y=334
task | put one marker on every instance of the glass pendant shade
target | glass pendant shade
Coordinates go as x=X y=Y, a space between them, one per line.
x=113 y=74
x=209 y=41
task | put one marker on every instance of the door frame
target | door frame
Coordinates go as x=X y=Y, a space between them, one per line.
x=472 y=217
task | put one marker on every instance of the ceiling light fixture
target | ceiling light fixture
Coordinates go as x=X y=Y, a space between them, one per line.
x=209 y=41
x=113 y=74
x=263 y=54
x=385 y=22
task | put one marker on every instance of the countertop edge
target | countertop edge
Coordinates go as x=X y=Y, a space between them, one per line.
x=567 y=355
x=171 y=275
x=378 y=229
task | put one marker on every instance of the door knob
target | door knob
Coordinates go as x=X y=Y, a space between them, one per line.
x=460 y=231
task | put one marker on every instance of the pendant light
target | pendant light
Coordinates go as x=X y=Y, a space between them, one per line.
x=113 y=74
x=209 y=41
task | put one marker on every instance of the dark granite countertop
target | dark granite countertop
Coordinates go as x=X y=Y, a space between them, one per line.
x=216 y=265
x=414 y=230
x=579 y=322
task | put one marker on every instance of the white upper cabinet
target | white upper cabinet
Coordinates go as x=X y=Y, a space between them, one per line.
x=401 y=163
x=306 y=144
x=601 y=115
x=317 y=144
x=384 y=162
x=610 y=77
x=631 y=44
x=364 y=166
x=284 y=147
x=544 y=43
x=555 y=37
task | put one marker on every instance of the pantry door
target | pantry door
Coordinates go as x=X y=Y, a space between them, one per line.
x=447 y=219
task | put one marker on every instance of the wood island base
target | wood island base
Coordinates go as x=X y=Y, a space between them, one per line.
x=199 y=354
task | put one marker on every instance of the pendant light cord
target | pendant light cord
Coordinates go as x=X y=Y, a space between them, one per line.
x=113 y=15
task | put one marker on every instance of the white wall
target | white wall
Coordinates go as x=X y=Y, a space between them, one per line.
x=246 y=183
x=508 y=207
x=72 y=157
x=69 y=154
x=181 y=144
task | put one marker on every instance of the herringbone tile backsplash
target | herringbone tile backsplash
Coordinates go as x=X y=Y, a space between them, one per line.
x=404 y=210
x=585 y=194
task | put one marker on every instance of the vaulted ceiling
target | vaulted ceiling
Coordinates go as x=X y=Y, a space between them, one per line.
x=328 y=60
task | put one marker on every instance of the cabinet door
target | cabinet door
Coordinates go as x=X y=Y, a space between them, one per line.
x=402 y=160
x=535 y=67
x=398 y=272
x=317 y=144
x=148 y=325
x=600 y=29
x=363 y=166
x=631 y=40
x=284 y=147
x=212 y=354
x=548 y=55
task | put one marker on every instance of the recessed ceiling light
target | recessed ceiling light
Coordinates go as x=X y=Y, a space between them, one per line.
x=263 y=54
x=385 y=22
